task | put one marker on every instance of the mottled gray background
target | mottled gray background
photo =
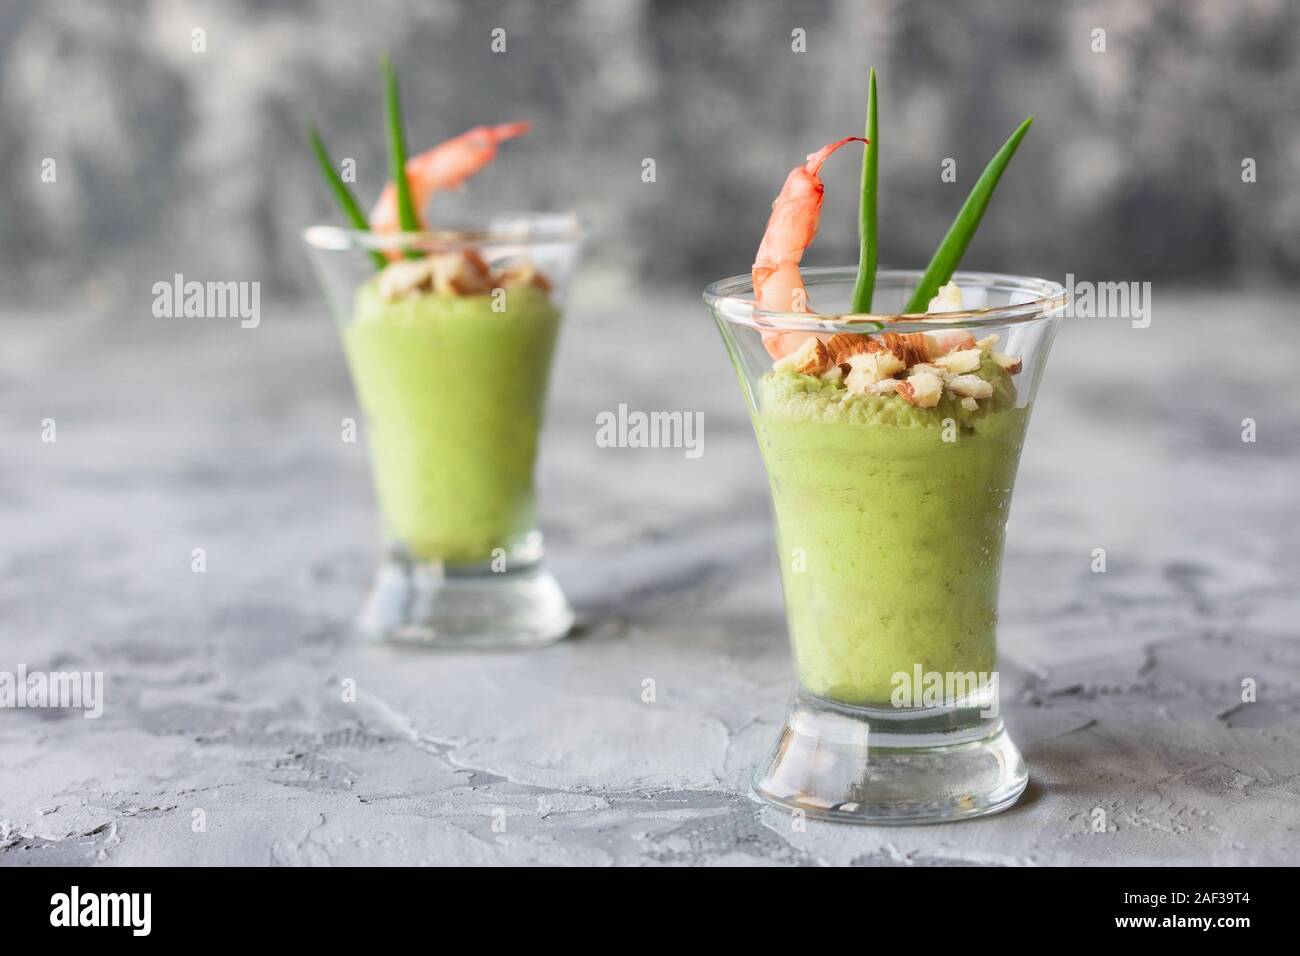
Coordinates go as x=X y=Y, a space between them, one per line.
x=222 y=689
x=170 y=160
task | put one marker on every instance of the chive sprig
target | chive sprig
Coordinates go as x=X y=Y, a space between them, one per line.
x=406 y=214
x=946 y=258
x=351 y=209
x=342 y=195
x=944 y=262
x=865 y=286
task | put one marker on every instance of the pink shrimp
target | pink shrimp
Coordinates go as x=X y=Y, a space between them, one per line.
x=778 y=287
x=446 y=166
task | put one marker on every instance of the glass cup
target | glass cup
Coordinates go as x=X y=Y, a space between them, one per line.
x=450 y=353
x=890 y=521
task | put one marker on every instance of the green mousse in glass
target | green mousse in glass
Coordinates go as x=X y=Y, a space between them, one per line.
x=453 y=387
x=890 y=520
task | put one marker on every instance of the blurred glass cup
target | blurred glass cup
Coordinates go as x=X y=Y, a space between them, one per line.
x=450 y=352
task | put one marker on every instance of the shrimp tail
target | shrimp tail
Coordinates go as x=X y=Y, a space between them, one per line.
x=796 y=212
x=445 y=166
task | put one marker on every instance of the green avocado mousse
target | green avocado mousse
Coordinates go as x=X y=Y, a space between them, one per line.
x=890 y=506
x=452 y=386
x=449 y=332
x=890 y=408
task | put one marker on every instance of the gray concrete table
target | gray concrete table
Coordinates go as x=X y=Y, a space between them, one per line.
x=224 y=688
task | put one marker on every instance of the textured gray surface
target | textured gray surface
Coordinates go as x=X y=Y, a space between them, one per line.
x=170 y=160
x=224 y=688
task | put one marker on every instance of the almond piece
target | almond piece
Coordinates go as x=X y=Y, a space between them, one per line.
x=810 y=358
x=948 y=299
x=405 y=276
x=476 y=264
x=886 y=386
x=986 y=344
x=922 y=389
x=970 y=386
x=459 y=273
x=970 y=404
x=1011 y=364
x=843 y=345
x=868 y=368
x=911 y=347
x=515 y=273
x=963 y=360
x=520 y=271
x=817 y=362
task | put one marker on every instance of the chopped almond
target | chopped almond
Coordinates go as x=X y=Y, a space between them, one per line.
x=963 y=360
x=519 y=272
x=867 y=368
x=405 y=276
x=1011 y=364
x=810 y=358
x=844 y=345
x=816 y=363
x=922 y=389
x=948 y=299
x=911 y=347
x=986 y=344
x=459 y=273
x=451 y=273
x=970 y=386
x=476 y=264
x=886 y=386
x=970 y=404
x=515 y=273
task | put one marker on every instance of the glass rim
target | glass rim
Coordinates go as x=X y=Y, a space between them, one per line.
x=727 y=298
x=489 y=229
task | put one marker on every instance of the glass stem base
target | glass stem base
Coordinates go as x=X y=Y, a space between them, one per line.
x=456 y=607
x=876 y=765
